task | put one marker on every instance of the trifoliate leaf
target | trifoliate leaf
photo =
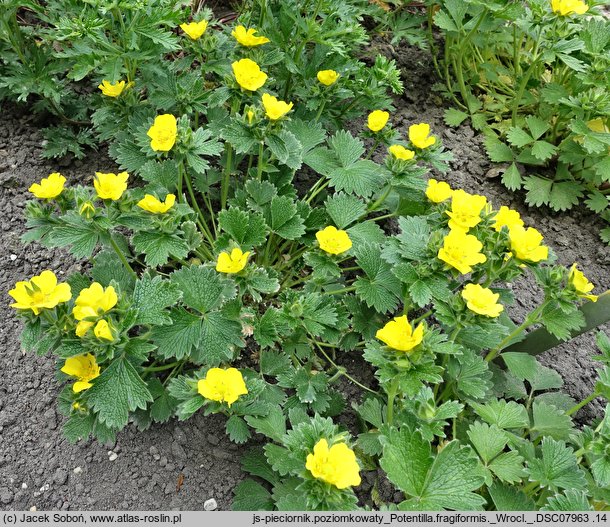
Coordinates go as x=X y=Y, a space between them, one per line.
x=504 y=414
x=379 y=288
x=565 y=195
x=537 y=126
x=248 y=229
x=159 y=246
x=181 y=337
x=344 y=209
x=282 y=217
x=519 y=137
x=151 y=297
x=265 y=328
x=557 y=468
x=363 y=178
x=538 y=191
x=444 y=481
x=366 y=232
x=488 y=441
x=471 y=374
x=203 y=288
x=322 y=265
x=273 y=362
x=116 y=392
x=497 y=151
x=543 y=150
x=260 y=193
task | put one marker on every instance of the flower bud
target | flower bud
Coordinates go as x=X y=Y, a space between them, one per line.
x=87 y=210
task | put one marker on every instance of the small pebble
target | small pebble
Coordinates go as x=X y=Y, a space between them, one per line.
x=24 y=485
x=113 y=456
x=78 y=470
x=33 y=508
x=210 y=505
x=13 y=257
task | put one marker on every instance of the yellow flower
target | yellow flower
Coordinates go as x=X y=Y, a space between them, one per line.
x=567 y=7
x=461 y=251
x=482 y=300
x=377 y=120
x=333 y=240
x=110 y=186
x=163 y=133
x=465 y=210
x=248 y=74
x=49 y=187
x=438 y=191
x=579 y=281
x=327 y=77
x=84 y=368
x=222 y=385
x=506 y=217
x=103 y=330
x=399 y=335
x=275 y=109
x=419 y=135
x=526 y=244
x=40 y=292
x=151 y=204
x=195 y=29
x=112 y=90
x=247 y=37
x=92 y=302
x=336 y=465
x=598 y=125
x=250 y=116
x=232 y=263
x=400 y=152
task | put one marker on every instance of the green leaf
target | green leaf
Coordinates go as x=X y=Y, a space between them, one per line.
x=537 y=126
x=158 y=246
x=237 y=429
x=362 y=178
x=161 y=175
x=283 y=219
x=521 y=365
x=116 y=392
x=107 y=267
x=511 y=178
x=569 y=500
x=74 y=232
x=597 y=201
x=549 y=421
x=272 y=425
x=151 y=297
x=488 y=441
x=471 y=374
x=565 y=195
x=508 y=498
x=248 y=229
x=164 y=405
x=379 y=288
x=251 y=496
x=538 y=191
x=78 y=427
x=348 y=149
x=543 y=150
x=203 y=288
x=518 y=137
x=508 y=467
x=497 y=151
x=344 y=209
x=281 y=460
x=545 y=379
x=444 y=481
x=178 y=339
x=219 y=335
x=558 y=467
x=454 y=117
x=561 y=324
x=504 y=414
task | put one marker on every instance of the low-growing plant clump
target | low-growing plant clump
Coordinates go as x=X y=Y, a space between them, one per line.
x=247 y=243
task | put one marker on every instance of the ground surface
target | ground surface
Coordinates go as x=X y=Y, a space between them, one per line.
x=38 y=467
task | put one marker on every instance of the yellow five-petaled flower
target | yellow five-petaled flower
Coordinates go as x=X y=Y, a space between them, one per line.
x=195 y=29
x=40 y=292
x=110 y=186
x=110 y=89
x=274 y=108
x=248 y=37
x=465 y=210
x=581 y=284
x=336 y=465
x=461 y=251
x=482 y=300
x=222 y=385
x=327 y=77
x=507 y=217
x=399 y=335
x=419 y=135
x=84 y=368
x=49 y=187
x=567 y=7
x=91 y=303
x=232 y=262
x=400 y=152
x=438 y=191
x=526 y=244
x=333 y=240
x=248 y=74
x=163 y=133
x=152 y=204
x=377 y=120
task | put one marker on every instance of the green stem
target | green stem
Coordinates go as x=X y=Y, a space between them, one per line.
x=582 y=403
x=381 y=199
x=162 y=368
x=259 y=165
x=122 y=257
x=226 y=180
x=200 y=218
x=340 y=291
x=373 y=148
x=392 y=391
x=342 y=370
x=378 y=218
x=320 y=110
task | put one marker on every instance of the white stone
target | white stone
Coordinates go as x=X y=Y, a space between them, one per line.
x=13 y=257
x=33 y=508
x=24 y=485
x=78 y=470
x=113 y=456
x=210 y=505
